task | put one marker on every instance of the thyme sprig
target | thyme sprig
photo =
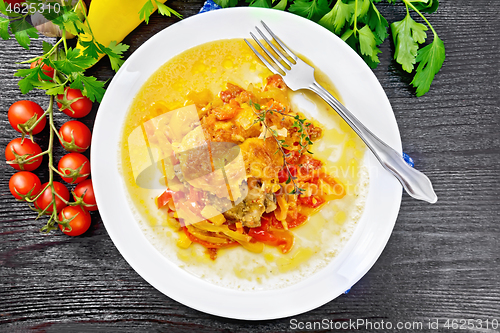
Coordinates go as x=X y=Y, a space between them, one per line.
x=304 y=139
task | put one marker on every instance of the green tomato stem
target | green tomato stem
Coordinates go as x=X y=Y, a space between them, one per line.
x=38 y=195
x=35 y=157
x=38 y=120
x=51 y=159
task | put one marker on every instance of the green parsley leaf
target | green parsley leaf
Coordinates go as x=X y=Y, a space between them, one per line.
x=281 y=5
x=46 y=47
x=3 y=8
x=69 y=21
x=25 y=72
x=115 y=54
x=430 y=59
x=26 y=84
x=8 y=10
x=426 y=6
x=74 y=62
x=23 y=30
x=166 y=11
x=116 y=63
x=363 y=7
x=146 y=11
x=4 y=28
x=90 y=48
x=335 y=19
x=30 y=78
x=347 y=35
x=259 y=3
x=226 y=3
x=378 y=24
x=90 y=86
x=360 y=25
x=310 y=9
x=406 y=34
x=118 y=48
x=51 y=88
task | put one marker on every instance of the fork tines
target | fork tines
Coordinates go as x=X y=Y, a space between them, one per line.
x=283 y=56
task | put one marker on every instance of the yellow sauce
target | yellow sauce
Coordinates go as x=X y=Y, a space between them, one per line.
x=207 y=68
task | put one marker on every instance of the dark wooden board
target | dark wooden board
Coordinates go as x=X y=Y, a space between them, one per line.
x=442 y=261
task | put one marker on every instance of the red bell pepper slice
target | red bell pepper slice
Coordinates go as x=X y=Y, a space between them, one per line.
x=282 y=238
x=312 y=201
x=291 y=222
x=163 y=199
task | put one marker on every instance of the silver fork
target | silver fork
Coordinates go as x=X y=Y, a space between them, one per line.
x=300 y=75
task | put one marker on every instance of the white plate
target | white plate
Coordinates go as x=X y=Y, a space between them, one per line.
x=361 y=93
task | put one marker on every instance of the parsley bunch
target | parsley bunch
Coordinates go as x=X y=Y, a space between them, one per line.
x=362 y=26
x=69 y=63
x=67 y=70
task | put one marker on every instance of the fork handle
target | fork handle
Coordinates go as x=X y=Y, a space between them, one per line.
x=414 y=182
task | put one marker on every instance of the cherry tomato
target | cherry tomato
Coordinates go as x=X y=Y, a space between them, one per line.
x=76 y=109
x=14 y=2
x=75 y=135
x=75 y=166
x=80 y=222
x=23 y=182
x=45 y=199
x=26 y=150
x=22 y=111
x=86 y=189
x=46 y=69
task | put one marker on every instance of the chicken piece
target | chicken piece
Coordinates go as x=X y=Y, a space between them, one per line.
x=250 y=210
x=261 y=159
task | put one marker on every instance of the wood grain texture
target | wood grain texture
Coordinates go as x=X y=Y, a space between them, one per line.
x=442 y=261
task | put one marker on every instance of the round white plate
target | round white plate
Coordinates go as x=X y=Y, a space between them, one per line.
x=361 y=93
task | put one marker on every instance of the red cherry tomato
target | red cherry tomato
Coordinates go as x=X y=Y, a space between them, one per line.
x=79 y=224
x=75 y=166
x=23 y=182
x=46 y=69
x=26 y=150
x=14 y=2
x=74 y=104
x=22 y=111
x=86 y=190
x=75 y=136
x=45 y=199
